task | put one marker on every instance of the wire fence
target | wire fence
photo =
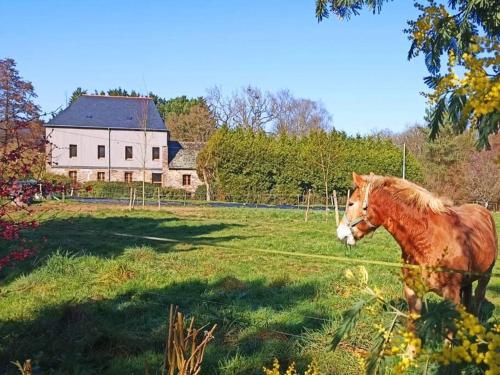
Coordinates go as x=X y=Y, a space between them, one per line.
x=161 y=196
x=134 y=195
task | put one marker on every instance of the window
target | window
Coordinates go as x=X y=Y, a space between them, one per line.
x=73 y=176
x=101 y=152
x=128 y=176
x=156 y=178
x=186 y=179
x=156 y=153
x=100 y=176
x=72 y=151
x=128 y=152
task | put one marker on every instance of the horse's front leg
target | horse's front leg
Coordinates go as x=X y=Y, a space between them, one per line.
x=452 y=292
x=415 y=307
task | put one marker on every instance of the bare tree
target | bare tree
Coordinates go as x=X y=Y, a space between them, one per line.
x=221 y=107
x=281 y=112
x=296 y=115
x=483 y=177
x=415 y=138
x=252 y=108
x=249 y=108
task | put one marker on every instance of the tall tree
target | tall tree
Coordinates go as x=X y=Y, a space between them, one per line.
x=19 y=125
x=248 y=108
x=281 y=112
x=19 y=149
x=76 y=94
x=245 y=164
x=196 y=125
x=119 y=92
x=178 y=105
x=463 y=34
x=483 y=176
x=296 y=115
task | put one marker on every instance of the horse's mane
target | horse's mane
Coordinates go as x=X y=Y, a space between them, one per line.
x=411 y=194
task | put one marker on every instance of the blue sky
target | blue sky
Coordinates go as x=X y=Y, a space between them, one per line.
x=357 y=68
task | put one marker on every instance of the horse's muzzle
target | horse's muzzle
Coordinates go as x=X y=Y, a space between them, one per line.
x=344 y=234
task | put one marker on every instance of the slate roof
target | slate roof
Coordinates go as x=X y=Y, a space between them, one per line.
x=182 y=155
x=115 y=112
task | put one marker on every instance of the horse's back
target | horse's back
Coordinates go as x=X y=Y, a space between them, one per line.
x=479 y=230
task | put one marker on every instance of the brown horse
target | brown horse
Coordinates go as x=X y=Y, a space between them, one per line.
x=431 y=233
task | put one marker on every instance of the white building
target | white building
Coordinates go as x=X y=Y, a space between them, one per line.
x=114 y=138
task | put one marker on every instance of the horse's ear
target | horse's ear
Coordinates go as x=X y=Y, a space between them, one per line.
x=357 y=179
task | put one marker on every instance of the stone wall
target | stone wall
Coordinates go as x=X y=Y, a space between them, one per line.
x=86 y=174
x=173 y=178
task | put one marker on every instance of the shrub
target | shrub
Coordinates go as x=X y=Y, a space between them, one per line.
x=106 y=189
x=201 y=193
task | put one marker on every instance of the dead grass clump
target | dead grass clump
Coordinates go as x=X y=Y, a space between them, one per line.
x=185 y=347
x=230 y=284
x=142 y=254
x=272 y=335
x=117 y=273
x=280 y=281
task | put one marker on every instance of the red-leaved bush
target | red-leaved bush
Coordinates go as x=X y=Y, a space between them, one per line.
x=22 y=152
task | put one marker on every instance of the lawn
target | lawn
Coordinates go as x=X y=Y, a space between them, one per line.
x=95 y=300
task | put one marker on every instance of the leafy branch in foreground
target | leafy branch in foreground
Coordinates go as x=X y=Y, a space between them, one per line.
x=462 y=33
x=312 y=369
x=447 y=337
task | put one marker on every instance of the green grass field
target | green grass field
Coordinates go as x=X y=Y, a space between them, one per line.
x=96 y=298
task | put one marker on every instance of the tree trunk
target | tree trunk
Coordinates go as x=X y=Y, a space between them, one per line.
x=326 y=199
x=207 y=185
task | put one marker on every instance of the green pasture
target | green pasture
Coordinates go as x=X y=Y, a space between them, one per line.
x=95 y=299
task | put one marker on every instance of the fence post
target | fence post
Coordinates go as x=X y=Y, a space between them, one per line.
x=335 y=203
x=307 y=206
x=159 y=201
x=130 y=200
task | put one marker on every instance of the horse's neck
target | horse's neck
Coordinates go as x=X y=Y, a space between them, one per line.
x=407 y=226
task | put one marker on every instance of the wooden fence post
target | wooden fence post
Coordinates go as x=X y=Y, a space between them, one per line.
x=130 y=200
x=159 y=201
x=335 y=203
x=307 y=205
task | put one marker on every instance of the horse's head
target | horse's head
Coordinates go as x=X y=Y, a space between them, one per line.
x=356 y=221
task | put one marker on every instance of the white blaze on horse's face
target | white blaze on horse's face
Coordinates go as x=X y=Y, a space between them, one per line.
x=345 y=232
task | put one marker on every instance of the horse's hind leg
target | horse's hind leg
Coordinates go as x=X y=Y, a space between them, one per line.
x=466 y=297
x=480 y=292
